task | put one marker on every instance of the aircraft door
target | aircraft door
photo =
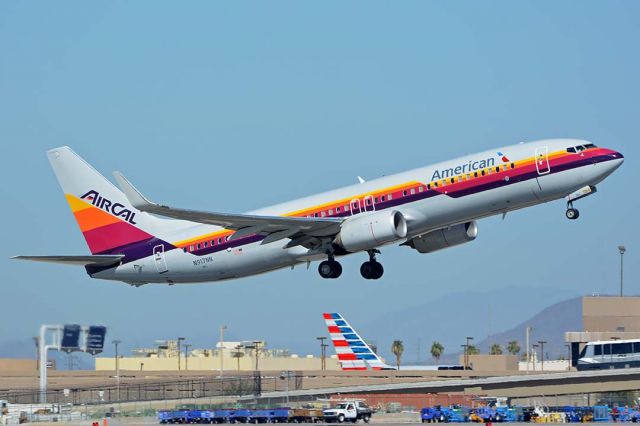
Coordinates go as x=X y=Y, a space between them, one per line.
x=355 y=206
x=159 y=260
x=542 y=160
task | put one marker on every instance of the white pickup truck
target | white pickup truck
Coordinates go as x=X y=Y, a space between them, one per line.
x=348 y=411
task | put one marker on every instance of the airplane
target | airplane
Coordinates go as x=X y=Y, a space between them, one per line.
x=137 y=241
x=355 y=354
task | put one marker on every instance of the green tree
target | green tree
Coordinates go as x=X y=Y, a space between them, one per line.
x=496 y=349
x=436 y=350
x=473 y=350
x=397 y=348
x=513 y=347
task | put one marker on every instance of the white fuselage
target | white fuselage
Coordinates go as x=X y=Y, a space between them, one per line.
x=523 y=175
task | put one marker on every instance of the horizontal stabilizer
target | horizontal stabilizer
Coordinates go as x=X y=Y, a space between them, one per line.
x=102 y=260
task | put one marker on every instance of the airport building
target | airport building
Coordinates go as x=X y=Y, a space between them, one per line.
x=605 y=318
x=229 y=356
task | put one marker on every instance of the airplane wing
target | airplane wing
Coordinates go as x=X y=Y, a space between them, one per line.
x=97 y=259
x=299 y=229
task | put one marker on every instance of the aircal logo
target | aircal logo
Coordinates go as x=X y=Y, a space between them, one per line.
x=116 y=209
x=471 y=166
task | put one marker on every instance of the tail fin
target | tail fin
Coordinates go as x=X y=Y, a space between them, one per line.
x=353 y=353
x=102 y=211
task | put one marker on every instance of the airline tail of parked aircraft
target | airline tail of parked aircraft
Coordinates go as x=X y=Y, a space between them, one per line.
x=353 y=353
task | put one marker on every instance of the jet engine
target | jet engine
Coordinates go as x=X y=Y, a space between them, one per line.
x=370 y=230
x=444 y=238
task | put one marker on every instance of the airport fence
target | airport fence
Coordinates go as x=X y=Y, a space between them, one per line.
x=186 y=390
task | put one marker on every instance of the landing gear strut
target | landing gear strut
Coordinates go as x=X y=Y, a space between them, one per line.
x=330 y=268
x=372 y=270
x=572 y=213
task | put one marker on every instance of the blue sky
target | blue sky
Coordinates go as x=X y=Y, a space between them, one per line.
x=231 y=106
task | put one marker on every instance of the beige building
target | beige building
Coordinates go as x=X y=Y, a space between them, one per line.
x=227 y=356
x=483 y=362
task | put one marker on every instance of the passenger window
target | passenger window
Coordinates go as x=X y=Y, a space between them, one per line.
x=368 y=201
x=636 y=347
x=607 y=349
x=315 y=215
x=219 y=240
x=198 y=246
x=346 y=208
x=404 y=193
x=504 y=167
x=382 y=198
x=184 y=249
x=205 y=244
x=391 y=196
x=338 y=209
x=468 y=176
x=330 y=212
x=435 y=184
x=443 y=183
x=428 y=186
x=323 y=214
x=482 y=172
x=191 y=247
x=452 y=180
x=375 y=200
x=475 y=174
x=497 y=169
x=513 y=165
x=420 y=189
x=413 y=191
x=598 y=350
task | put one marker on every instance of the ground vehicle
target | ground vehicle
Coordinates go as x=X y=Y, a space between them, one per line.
x=351 y=411
x=433 y=415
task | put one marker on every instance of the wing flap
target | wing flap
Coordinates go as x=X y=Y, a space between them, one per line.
x=97 y=259
x=319 y=227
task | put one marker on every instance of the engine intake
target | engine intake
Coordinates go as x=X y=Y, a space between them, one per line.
x=370 y=230
x=444 y=238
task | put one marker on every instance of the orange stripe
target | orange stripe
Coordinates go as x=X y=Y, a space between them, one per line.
x=93 y=218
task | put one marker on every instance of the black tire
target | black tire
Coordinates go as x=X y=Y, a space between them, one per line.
x=337 y=269
x=572 y=214
x=366 y=270
x=366 y=418
x=341 y=418
x=325 y=269
x=378 y=271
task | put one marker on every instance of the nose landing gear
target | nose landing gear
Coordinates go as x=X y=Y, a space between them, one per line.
x=372 y=270
x=572 y=213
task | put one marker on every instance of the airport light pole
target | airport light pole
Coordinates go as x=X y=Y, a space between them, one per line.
x=568 y=345
x=256 y=343
x=528 y=332
x=541 y=343
x=622 y=250
x=180 y=339
x=323 y=365
x=116 y=343
x=186 y=356
x=466 y=361
x=221 y=353
x=534 y=346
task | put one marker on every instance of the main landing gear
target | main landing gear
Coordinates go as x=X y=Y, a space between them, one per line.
x=372 y=270
x=330 y=268
x=571 y=212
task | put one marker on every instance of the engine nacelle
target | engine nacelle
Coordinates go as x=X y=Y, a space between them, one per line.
x=370 y=230
x=444 y=238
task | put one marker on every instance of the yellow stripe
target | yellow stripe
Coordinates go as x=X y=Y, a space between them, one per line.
x=76 y=203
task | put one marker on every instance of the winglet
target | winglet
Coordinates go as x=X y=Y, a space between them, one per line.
x=134 y=196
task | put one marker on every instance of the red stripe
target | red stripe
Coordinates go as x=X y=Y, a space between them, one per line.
x=327 y=316
x=113 y=235
x=340 y=343
x=347 y=357
x=354 y=368
x=334 y=329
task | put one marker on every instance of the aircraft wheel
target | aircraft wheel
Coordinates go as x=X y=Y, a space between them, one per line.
x=330 y=269
x=572 y=213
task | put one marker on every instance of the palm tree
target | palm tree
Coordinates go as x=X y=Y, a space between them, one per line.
x=496 y=349
x=397 y=348
x=473 y=350
x=436 y=350
x=237 y=354
x=513 y=347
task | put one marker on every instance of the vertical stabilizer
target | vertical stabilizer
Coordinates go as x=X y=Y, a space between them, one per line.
x=105 y=217
x=353 y=352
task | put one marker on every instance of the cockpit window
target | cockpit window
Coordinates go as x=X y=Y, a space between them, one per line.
x=580 y=148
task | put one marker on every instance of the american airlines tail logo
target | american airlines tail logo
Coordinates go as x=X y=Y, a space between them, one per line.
x=116 y=209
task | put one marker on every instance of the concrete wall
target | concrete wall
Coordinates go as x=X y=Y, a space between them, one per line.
x=15 y=364
x=492 y=362
x=213 y=363
x=610 y=313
